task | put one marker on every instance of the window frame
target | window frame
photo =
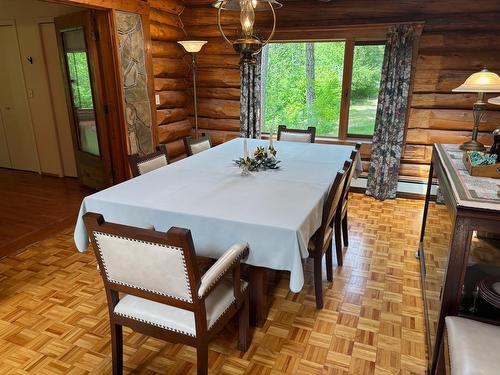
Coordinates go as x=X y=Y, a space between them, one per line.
x=349 y=44
x=348 y=103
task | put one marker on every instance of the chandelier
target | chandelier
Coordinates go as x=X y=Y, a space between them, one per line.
x=248 y=44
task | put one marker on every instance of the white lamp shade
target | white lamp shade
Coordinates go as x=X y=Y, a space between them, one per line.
x=495 y=100
x=483 y=81
x=192 y=45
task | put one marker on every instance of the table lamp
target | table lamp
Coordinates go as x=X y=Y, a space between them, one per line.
x=481 y=82
x=193 y=47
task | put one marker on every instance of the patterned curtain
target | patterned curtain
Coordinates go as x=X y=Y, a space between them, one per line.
x=388 y=136
x=250 y=76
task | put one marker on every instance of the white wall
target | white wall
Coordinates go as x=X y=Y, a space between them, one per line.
x=44 y=88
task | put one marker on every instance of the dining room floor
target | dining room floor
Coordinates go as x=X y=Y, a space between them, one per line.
x=54 y=317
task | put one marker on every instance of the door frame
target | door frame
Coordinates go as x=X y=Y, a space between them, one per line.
x=142 y=8
x=108 y=100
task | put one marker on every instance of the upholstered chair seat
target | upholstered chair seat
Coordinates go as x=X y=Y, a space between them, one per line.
x=296 y=135
x=175 y=319
x=473 y=346
x=153 y=285
x=195 y=146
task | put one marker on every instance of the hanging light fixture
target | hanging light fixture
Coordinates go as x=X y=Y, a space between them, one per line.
x=248 y=44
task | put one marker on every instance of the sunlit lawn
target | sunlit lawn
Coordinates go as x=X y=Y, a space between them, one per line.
x=362 y=117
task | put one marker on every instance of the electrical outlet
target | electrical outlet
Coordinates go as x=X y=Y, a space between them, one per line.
x=157 y=98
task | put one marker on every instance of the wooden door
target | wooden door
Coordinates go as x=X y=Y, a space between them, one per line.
x=17 y=141
x=78 y=39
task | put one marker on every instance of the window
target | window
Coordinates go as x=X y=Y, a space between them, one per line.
x=365 y=85
x=303 y=86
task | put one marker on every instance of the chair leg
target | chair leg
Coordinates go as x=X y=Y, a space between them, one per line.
x=244 y=324
x=117 y=348
x=329 y=262
x=318 y=281
x=202 y=359
x=345 y=231
x=338 y=242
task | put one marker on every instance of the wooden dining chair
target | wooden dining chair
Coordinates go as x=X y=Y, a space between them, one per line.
x=296 y=135
x=147 y=163
x=321 y=242
x=195 y=146
x=341 y=223
x=154 y=287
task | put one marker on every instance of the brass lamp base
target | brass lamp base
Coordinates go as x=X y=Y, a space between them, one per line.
x=472 y=146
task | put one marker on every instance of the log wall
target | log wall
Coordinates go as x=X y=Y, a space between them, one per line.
x=459 y=38
x=170 y=70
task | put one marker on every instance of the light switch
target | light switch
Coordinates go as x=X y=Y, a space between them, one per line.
x=157 y=98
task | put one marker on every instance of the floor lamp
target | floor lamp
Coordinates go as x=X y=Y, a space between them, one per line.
x=193 y=47
x=480 y=83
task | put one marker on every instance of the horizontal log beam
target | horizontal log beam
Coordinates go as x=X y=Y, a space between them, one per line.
x=172 y=99
x=450 y=119
x=430 y=136
x=169 y=115
x=166 y=33
x=218 y=77
x=219 y=61
x=169 y=6
x=218 y=124
x=219 y=93
x=169 y=68
x=449 y=101
x=175 y=149
x=165 y=18
x=219 y=108
x=165 y=84
x=174 y=131
x=172 y=50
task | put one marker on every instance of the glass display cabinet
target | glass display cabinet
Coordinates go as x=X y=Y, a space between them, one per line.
x=459 y=247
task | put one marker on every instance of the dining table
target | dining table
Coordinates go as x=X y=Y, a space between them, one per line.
x=276 y=211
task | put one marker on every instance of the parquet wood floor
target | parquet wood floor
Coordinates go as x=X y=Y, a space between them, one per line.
x=53 y=317
x=34 y=207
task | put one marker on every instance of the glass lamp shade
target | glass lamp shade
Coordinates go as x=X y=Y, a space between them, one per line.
x=495 y=100
x=483 y=81
x=192 y=46
x=258 y=5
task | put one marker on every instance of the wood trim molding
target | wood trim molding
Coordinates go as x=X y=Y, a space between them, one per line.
x=346 y=88
x=134 y=6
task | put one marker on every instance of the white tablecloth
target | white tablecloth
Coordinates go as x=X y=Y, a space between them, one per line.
x=275 y=211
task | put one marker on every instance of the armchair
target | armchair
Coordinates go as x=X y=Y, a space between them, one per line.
x=154 y=287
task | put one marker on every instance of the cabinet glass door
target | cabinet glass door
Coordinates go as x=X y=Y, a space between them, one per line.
x=481 y=288
x=436 y=248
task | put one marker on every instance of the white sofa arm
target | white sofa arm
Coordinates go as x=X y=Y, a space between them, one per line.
x=234 y=254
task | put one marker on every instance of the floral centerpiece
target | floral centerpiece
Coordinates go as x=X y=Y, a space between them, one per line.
x=263 y=158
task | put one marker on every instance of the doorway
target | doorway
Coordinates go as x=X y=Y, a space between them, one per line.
x=80 y=40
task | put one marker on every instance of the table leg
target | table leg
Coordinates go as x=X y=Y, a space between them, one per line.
x=258 y=295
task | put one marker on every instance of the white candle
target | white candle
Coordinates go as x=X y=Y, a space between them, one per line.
x=271 y=139
x=245 y=148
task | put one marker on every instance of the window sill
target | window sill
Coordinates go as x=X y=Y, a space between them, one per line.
x=335 y=141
